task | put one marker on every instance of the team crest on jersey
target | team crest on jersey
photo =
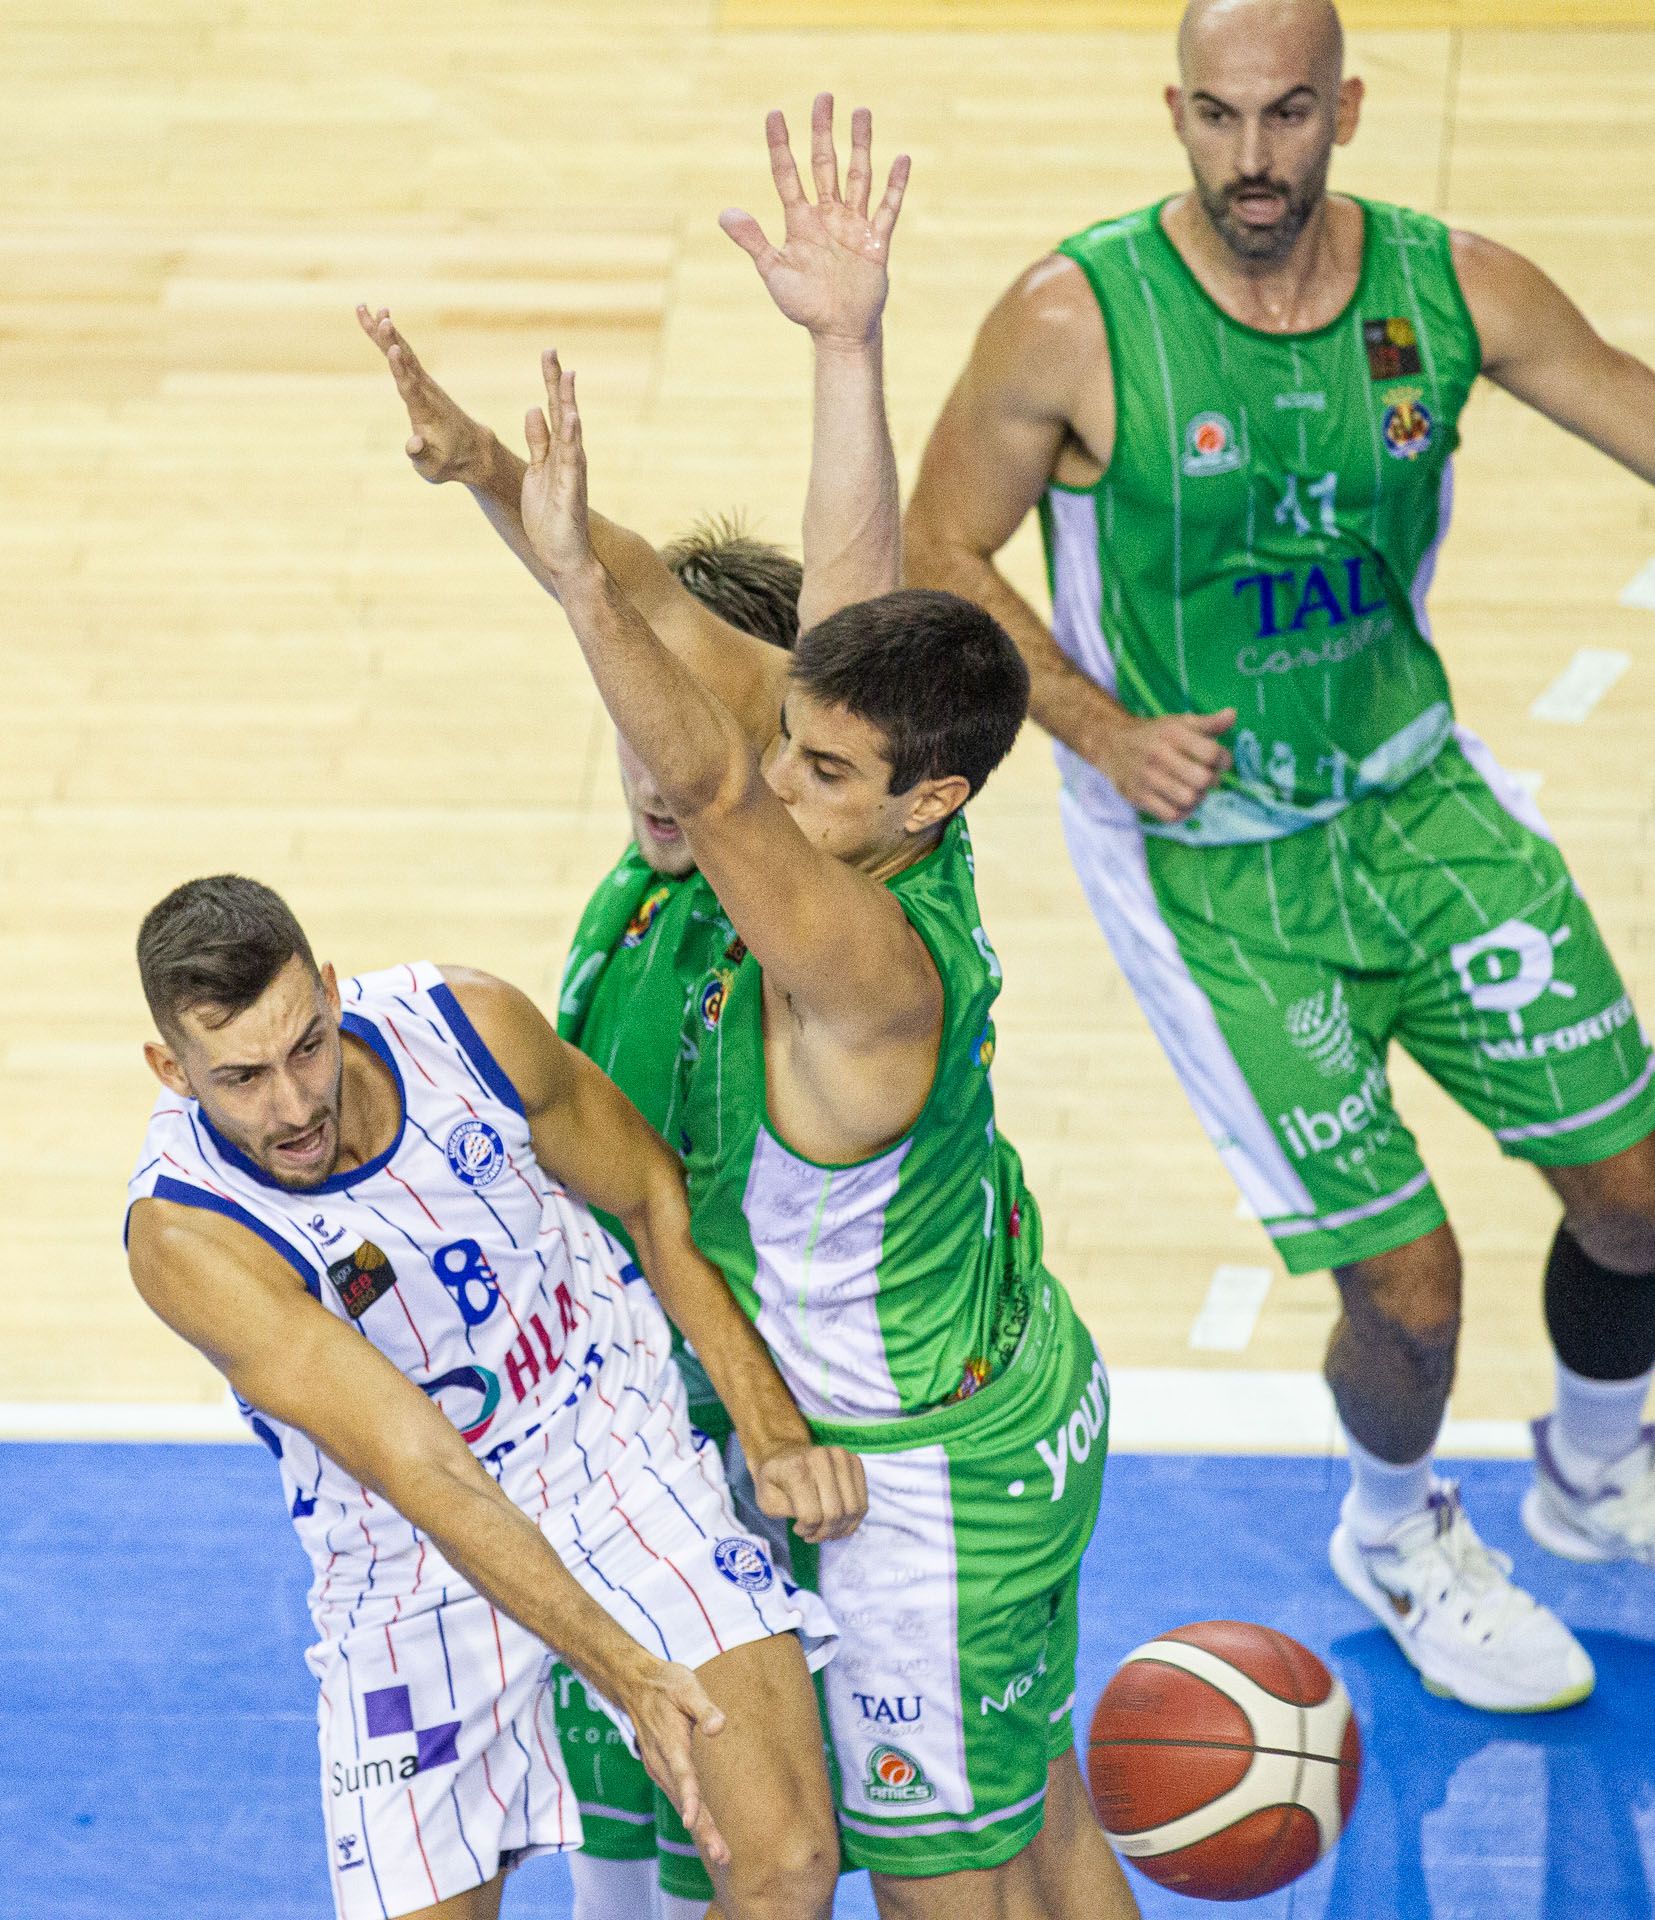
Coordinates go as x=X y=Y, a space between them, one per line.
x=710 y=1005
x=1392 y=348
x=476 y=1153
x=896 y=1777
x=641 y=922
x=744 y=1563
x=1408 y=426
x=982 y=1048
x=365 y=1277
x=1210 y=445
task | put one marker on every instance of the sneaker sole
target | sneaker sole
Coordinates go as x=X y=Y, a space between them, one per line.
x=1352 y=1576
x=1549 y=1530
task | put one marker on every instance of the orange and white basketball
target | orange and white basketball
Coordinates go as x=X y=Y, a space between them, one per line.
x=1224 y=1759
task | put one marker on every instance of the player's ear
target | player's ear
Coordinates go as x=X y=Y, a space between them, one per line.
x=163 y=1063
x=932 y=801
x=1174 y=97
x=1348 y=112
x=330 y=989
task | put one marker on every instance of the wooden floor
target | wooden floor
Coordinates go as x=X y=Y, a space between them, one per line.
x=239 y=633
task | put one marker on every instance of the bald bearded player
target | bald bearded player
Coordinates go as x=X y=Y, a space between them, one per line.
x=1235 y=412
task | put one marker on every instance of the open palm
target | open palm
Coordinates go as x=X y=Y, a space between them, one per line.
x=829 y=273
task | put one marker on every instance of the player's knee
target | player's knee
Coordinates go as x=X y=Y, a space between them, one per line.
x=1412 y=1293
x=791 y=1878
x=1617 y=1235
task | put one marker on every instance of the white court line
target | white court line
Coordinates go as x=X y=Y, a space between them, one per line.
x=1639 y=591
x=1235 y=1298
x=1153 y=1410
x=1581 y=685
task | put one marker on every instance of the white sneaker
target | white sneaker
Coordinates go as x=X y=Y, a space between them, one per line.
x=1612 y=1519
x=1449 y=1603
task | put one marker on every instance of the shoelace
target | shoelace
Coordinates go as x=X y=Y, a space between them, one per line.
x=1481 y=1573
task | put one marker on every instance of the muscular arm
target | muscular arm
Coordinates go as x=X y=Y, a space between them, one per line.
x=1539 y=346
x=243 y=1307
x=833 y=941
x=589 y=1136
x=1040 y=360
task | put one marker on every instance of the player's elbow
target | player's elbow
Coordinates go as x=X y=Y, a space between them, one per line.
x=936 y=552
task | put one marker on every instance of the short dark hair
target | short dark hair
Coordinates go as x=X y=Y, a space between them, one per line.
x=216 y=942
x=941 y=679
x=750 y=583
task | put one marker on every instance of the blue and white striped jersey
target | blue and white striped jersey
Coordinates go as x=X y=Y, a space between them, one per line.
x=472 y=1270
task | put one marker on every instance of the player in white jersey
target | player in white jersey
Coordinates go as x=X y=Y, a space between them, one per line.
x=501 y=1463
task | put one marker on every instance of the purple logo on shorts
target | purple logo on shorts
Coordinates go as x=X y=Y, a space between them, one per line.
x=388 y=1712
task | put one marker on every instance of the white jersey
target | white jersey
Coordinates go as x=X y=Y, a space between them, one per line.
x=478 y=1276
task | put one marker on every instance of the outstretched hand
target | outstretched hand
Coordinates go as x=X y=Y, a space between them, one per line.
x=829 y=273
x=554 y=485
x=444 y=442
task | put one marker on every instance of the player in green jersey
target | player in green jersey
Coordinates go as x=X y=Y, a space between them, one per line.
x=845 y=1165
x=1235 y=411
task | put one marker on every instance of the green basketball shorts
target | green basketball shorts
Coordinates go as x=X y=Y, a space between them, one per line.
x=956 y=1600
x=1277 y=974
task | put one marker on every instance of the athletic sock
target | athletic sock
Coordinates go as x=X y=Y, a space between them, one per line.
x=1597 y=1422
x=1383 y=1495
x=612 y=1889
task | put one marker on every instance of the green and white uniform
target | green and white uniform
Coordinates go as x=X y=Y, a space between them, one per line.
x=643 y=944
x=906 y=1302
x=1264 y=538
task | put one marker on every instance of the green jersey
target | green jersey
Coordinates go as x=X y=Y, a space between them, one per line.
x=643 y=945
x=644 y=941
x=891 y=1285
x=1269 y=523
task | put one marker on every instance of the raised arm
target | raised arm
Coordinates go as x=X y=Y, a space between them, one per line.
x=213 y=1283
x=832 y=939
x=1041 y=362
x=1538 y=345
x=830 y=276
x=588 y=1135
x=445 y=444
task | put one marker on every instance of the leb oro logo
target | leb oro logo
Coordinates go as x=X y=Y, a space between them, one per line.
x=896 y=1777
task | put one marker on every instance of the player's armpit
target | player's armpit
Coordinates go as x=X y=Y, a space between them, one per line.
x=1539 y=346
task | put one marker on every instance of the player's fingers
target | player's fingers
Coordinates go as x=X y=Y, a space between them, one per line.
x=824 y=161
x=859 y=174
x=551 y=374
x=538 y=435
x=404 y=370
x=848 y=1500
x=783 y=169
x=884 y=219
x=804 y=1498
x=746 y=232
x=571 y=411
x=1214 y=723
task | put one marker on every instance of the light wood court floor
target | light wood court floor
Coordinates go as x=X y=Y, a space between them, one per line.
x=237 y=632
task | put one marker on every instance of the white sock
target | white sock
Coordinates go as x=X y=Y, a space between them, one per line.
x=612 y=1889
x=1597 y=1422
x=1382 y=1495
x=671 y=1907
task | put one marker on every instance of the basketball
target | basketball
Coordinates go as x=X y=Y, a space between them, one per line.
x=1224 y=1759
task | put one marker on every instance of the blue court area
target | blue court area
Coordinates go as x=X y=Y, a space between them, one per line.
x=157 y=1734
